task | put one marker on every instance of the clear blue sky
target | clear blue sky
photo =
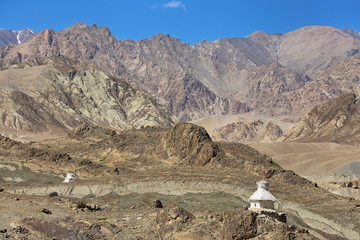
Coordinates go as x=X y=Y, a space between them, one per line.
x=189 y=20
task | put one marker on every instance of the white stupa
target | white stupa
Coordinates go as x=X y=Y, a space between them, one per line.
x=262 y=199
x=70 y=177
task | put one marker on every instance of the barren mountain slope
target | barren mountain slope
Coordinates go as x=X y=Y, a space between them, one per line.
x=200 y=80
x=327 y=84
x=335 y=121
x=50 y=96
x=270 y=81
x=10 y=37
x=196 y=179
x=309 y=49
x=158 y=65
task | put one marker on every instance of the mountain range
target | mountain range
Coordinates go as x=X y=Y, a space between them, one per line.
x=281 y=75
x=108 y=111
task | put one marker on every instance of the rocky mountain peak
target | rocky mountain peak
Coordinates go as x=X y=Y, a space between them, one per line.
x=47 y=35
x=161 y=36
x=158 y=38
x=11 y=37
x=258 y=35
x=105 y=30
x=315 y=30
x=79 y=25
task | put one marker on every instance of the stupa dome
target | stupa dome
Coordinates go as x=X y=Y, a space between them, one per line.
x=262 y=194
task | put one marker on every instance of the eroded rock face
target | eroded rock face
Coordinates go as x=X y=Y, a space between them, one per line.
x=153 y=64
x=239 y=226
x=270 y=81
x=56 y=94
x=327 y=84
x=335 y=121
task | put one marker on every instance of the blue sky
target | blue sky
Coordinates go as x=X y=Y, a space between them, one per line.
x=189 y=20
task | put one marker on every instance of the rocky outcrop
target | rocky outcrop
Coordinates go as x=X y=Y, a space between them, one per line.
x=191 y=143
x=238 y=224
x=56 y=94
x=335 y=121
x=348 y=189
x=272 y=132
x=245 y=132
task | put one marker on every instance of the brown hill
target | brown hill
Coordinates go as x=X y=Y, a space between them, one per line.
x=50 y=96
x=335 y=121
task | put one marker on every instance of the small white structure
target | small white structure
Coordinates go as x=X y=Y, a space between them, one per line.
x=262 y=199
x=70 y=177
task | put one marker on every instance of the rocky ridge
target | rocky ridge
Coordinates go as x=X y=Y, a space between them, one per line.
x=335 y=121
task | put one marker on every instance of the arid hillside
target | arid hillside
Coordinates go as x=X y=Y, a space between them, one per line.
x=335 y=121
x=48 y=97
x=249 y=132
x=158 y=183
